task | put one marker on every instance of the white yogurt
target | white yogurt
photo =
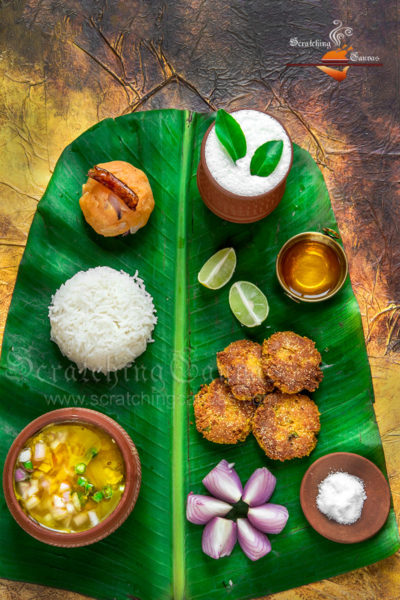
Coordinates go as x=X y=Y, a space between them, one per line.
x=258 y=128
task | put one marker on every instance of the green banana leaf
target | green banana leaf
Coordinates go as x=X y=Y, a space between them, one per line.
x=156 y=554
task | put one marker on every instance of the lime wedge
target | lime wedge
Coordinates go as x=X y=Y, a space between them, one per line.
x=248 y=303
x=218 y=270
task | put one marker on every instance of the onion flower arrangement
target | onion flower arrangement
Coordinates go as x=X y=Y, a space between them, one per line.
x=234 y=514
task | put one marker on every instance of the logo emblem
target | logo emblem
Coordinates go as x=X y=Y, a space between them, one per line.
x=339 y=57
x=339 y=54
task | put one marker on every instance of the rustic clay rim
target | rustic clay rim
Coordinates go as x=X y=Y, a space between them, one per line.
x=228 y=193
x=123 y=508
x=376 y=507
x=324 y=239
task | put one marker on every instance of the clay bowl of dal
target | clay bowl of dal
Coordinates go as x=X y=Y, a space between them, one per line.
x=105 y=427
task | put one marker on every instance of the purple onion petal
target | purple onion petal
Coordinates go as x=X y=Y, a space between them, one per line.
x=201 y=509
x=259 y=487
x=269 y=518
x=20 y=475
x=219 y=537
x=223 y=482
x=254 y=544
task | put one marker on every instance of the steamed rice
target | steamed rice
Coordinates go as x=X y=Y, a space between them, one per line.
x=102 y=319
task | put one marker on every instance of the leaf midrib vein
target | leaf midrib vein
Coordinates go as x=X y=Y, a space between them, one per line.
x=179 y=387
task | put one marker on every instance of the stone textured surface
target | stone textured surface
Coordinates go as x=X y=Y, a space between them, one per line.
x=66 y=65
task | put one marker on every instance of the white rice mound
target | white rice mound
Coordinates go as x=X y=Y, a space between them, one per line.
x=102 y=319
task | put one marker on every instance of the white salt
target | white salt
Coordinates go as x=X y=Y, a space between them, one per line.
x=341 y=497
x=258 y=128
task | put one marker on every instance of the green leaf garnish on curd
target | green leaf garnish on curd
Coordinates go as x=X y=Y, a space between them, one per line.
x=266 y=158
x=230 y=135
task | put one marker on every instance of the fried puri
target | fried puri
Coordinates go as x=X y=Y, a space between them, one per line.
x=291 y=362
x=240 y=365
x=219 y=416
x=286 y=426
x=116 y=198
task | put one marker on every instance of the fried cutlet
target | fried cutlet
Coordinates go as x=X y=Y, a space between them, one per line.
x=286 y=426
x=219 y=416
x=240 y=365
x=291 y=362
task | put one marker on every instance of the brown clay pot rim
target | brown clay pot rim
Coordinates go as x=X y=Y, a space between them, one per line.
x=325 y=239
x=123 y=508
x=232 y=194
x=363 y=529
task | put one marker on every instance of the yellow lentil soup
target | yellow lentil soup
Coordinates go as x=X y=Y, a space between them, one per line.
x=69 y=476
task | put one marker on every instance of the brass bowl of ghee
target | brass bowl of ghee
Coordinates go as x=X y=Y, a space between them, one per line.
x=311 y=267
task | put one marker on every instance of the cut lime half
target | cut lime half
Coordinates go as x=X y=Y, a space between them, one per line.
x=218 y=270
x=248 y=303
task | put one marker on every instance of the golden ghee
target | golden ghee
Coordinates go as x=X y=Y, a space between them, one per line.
x=310 y=269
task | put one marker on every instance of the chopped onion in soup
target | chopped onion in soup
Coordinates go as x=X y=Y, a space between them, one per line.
x=69 y=476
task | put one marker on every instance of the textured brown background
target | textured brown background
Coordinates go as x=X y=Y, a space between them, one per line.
x=66 y=65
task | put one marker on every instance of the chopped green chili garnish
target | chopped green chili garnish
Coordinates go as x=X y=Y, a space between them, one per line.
x=83 y=482
x=107 y=492
x=80 y=468
x=98 y=496
x=28 y=465
x=92 y=452
x=82 y=498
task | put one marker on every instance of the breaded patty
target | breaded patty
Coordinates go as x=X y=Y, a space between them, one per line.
x=219 y=416
x=286 y=426
x=291 y=362
x=240 y=365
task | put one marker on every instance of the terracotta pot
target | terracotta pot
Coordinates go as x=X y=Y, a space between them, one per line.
x=126 y=503
x=376 y=507
x=233 y=207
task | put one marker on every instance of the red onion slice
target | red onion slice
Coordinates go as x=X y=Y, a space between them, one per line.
x=23 y=488
x=25 y=455
x=223 y=482
x=254 y=544
x=259 y=487
x=219 y=537
x=20 y=475
x=115 y=203
x=201 y=509
x=269 y=518
x=40 y=451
